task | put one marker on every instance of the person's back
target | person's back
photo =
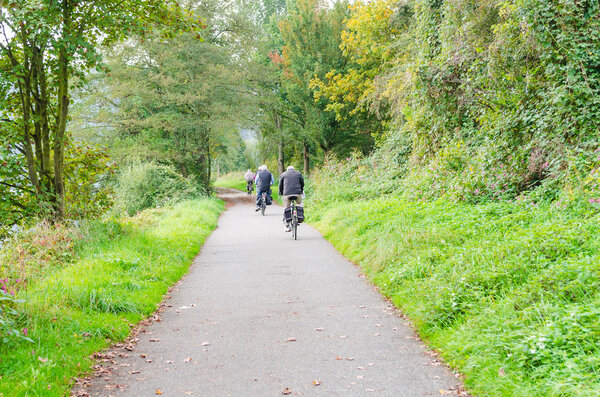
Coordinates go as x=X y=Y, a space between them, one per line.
x=264 y=180
x=249 y=176
x=291 y=185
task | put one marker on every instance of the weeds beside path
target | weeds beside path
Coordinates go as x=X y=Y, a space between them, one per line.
x=119 y=275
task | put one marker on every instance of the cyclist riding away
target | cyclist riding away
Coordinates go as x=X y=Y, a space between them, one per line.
x=291 y=183
x=249 y=178
x=264 y=179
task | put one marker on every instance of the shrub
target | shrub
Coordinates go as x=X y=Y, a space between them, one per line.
x=147 y=185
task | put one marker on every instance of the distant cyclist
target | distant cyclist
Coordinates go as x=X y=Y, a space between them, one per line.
x=291 y=183
x=264 y=179
x=249 y=178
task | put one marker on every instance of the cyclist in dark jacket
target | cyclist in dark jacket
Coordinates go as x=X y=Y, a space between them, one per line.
x=264 y=180
x=291 y=183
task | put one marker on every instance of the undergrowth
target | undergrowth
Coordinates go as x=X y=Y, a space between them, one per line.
x=507 y=291
x=85 y=286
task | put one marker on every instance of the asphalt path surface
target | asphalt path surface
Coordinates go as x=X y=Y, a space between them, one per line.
x=260 y=314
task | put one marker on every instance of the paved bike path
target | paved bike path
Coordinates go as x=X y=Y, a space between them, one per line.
x=260 y=314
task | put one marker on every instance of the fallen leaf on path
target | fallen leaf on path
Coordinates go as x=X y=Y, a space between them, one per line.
x=370 y=364
x=379 y=325
x=286 y=391
x=377 y=334
x=143 y=355
x=134 y=372
x=205 y=344
x=292 y=339
x=360 y=368
x=129 y=347
x=361 y=306
x=338 y=358
x=445 y=392
x=319 y=329
x=158 y=391
x=188 y=360
x=170 y=362
x=349 y=359
x=155 y=340
x=316 y=382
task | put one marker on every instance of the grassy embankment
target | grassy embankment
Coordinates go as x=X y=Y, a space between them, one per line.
x=508 y=294
x=118 y=272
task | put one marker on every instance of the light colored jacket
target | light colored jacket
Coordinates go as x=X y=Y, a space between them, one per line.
x=249 y=177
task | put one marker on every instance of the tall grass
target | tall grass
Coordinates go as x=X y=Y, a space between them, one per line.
x=119 y=273
x=507 y=292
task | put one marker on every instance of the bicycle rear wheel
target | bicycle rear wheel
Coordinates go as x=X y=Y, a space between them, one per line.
x=295 y=226
x=263 y=205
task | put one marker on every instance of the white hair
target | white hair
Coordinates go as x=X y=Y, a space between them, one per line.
x=264 y=167
x=291 y=167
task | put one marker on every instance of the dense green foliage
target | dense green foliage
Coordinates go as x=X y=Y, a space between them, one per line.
x=507 y=292
x=149 y=185
x=486 y=100
x=86 y=285
x=44 y=46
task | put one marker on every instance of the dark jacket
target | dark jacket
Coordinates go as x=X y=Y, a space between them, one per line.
x=264 y=180
x=291 y=182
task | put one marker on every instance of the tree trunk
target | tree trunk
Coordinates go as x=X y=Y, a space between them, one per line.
x=25 y=94
x=280 y=157
x=306 y=158
x=280 y=144
x=63 y=112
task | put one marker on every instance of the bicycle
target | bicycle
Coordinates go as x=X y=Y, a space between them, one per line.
x=263 y=203
x=294 y=221
x=249 y=188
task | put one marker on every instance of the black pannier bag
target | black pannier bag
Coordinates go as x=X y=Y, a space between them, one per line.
x=300 y=212
x=269 y=200
x=287 y=213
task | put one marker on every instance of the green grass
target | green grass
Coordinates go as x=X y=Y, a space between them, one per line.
x=510 y=295
x=121 y=272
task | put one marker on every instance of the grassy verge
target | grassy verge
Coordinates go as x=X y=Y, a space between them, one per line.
x=508 y=294
x=118 y=274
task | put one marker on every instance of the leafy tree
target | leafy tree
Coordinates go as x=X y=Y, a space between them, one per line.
x=45 y=43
